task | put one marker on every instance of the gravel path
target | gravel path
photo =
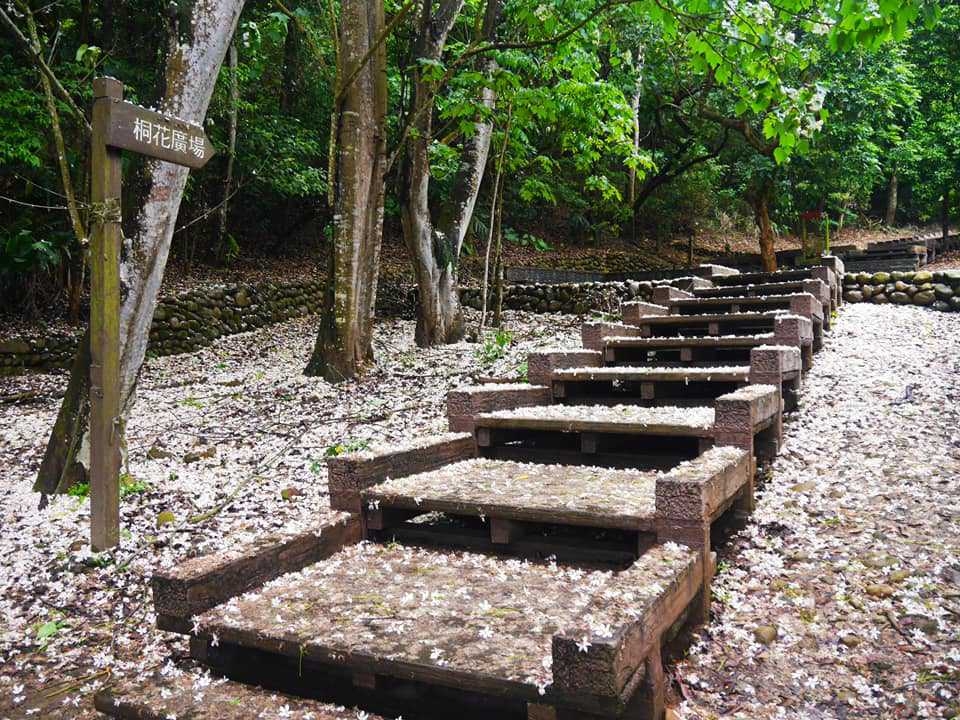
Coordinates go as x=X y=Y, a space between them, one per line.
x=841 y=599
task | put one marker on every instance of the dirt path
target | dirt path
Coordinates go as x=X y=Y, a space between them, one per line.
x=853 y=557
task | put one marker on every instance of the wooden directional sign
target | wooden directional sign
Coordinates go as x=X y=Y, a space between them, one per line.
x=148 y=132
x=118 y=125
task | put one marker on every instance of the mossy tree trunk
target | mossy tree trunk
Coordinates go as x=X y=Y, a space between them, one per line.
x=344 y=341
x=191 y=73
x=760 y=201
x=435 y=245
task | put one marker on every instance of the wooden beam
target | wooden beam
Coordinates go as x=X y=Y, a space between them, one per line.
x=106 y=430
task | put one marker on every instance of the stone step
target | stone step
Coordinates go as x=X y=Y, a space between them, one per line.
x=512 y=500
x=815 y=287
x=699 y=350
x=198 y=696
x=522 y=637
x=647 y=385
x=632 y=436
x=802 y=304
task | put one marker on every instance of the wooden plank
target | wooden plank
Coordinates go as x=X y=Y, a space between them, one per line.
x=156 y=135
x=723 y=374
x=619 y=419
x=106 y=430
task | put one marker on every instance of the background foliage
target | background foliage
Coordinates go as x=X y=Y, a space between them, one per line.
x=821 y=103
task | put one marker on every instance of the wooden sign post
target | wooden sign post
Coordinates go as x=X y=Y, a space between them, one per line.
x=116 y=126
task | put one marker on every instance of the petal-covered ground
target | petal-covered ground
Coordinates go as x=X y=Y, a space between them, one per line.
x=236 y=426
x=842 y=597
x=840 y=600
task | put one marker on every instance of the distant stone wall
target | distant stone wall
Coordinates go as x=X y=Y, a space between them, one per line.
x=182 y=323
x=938 y=290
x=53 y=350
x=572 y=298
x=195 y=319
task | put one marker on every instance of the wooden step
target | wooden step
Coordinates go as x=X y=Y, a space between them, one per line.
x=802 y=304
x=626 y=436
x=196 y=695
x=647 y=385
x=794 y=274
x=715 y=324
x=539 y=637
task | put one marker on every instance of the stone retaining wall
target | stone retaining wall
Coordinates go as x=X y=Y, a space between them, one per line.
x=572 y=298
x=183 y=323
x=938 y=290
x=195 y=319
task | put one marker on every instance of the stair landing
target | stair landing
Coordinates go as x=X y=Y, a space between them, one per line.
x=535 y=633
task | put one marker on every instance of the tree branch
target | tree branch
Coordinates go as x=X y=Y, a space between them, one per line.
x=41 y=64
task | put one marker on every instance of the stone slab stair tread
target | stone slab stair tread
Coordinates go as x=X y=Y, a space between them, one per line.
x=733 y=299
x=534 y=492
x=464 y=620
x=720 y=374
x=184 y=695
x=707 y=317
x=692 y=341
x=625 y=419
x=765 y=277
x=788 y=287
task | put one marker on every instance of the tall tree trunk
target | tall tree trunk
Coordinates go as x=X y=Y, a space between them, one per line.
x=760 y=200
x=222 y=245
x=435 y=246
x=192 y=71
x=344 y=341
x=890 y=218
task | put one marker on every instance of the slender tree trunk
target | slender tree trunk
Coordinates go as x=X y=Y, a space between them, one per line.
x=890 y=217
x=761 y=215
x=344 y=341
x=498 y=263
x=632 y=172
x=495 y=204
x=291 y=70
x=192 y=71
x=223 y=248
x=73 y=281
x=435 y=246
x=944 y=222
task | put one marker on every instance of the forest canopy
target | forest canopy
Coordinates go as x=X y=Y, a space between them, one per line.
x=614 y=120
